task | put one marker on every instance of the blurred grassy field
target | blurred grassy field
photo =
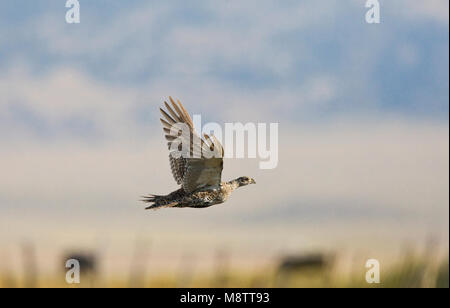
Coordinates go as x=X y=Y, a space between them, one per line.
x=411 y=272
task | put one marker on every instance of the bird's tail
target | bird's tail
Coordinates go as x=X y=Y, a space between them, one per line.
x=158 y=202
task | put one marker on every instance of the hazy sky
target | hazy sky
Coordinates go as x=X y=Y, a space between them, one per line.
x=362 y=112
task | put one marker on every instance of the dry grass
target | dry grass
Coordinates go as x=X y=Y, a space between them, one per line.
x=413 y=271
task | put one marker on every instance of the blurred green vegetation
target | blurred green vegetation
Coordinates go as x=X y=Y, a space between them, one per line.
x=411 y=271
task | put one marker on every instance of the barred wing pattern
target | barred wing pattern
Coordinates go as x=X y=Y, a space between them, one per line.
x=201 y=162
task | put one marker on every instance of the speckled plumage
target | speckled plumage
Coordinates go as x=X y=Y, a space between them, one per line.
x=198 y=174
x=204 y=197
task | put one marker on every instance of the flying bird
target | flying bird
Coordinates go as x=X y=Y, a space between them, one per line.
x=199 y=167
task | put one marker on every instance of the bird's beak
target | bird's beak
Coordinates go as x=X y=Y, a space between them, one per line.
x=252 y=181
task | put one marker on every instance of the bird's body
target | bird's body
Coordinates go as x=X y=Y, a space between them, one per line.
x=199 y=172
x=201 y=198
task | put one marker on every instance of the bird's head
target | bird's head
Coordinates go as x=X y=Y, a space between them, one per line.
x=245 y=180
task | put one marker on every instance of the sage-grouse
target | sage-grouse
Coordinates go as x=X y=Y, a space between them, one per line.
x=197 y=168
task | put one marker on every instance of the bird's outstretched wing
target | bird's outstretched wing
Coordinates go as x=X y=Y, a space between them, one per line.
x=201 y=161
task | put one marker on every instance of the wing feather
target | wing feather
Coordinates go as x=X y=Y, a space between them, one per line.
x=186 y=114
x=197 y=170
x=172 y=113
x=166 y=124
x=168 y=117
x=181 y=116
